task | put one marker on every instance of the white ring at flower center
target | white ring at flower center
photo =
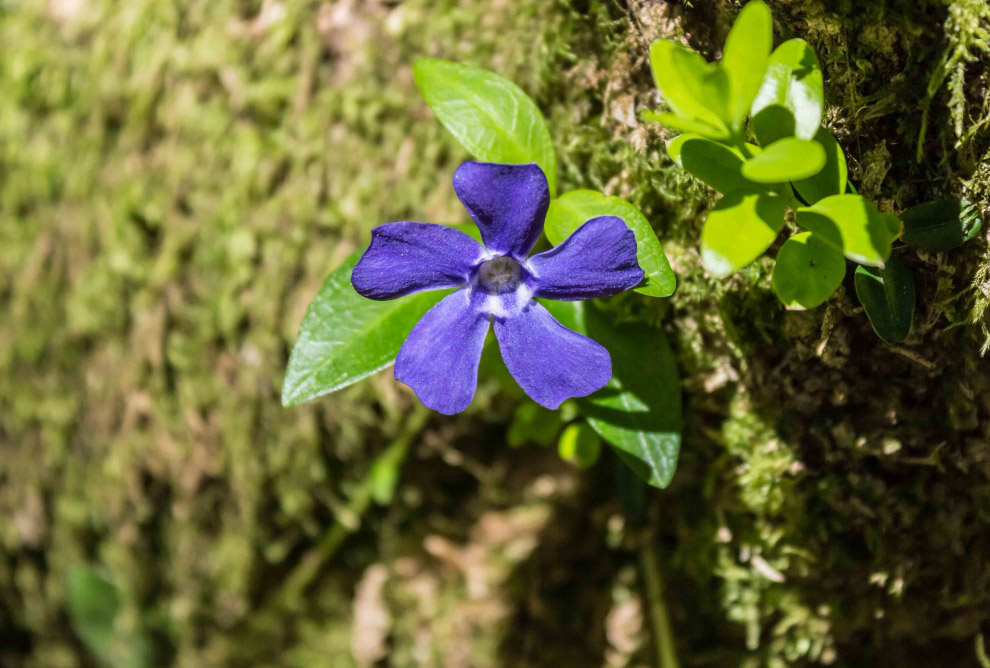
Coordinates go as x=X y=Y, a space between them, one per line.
x=500 y=274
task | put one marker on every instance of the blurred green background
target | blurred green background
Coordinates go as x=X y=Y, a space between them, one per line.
x=178 y=177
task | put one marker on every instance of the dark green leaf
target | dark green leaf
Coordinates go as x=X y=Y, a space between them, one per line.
x=807 y=271
x=579 y=445
x=832 y=178
x=714 y=163
x=942 y=225
x=888 y=297
x=745 y=57
x=572 y=210
x=639 y=412
x=345 y=337
x=93 y=603
x=489 y=115
x=785 y=160
x=851 y=224
x=792 y=97
x=741 y=226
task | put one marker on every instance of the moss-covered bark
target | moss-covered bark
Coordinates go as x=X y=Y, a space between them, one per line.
x=175 y=182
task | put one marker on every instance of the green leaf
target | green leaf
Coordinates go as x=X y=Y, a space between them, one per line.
x=807 y=271
x=785 y=160
x=345 y=337
x=851 y=224
x=675 y=122
x=791 y=100
x=572 y=210
x=489 y=115
x=832 y=178
x=533 y=423
x=745 y=58
x=942 y=225
x=741 y=226
x=579 y=445
x=639 y=412
x=714 y=163
x=93 y=603
x=888 y=297
x=693 y=89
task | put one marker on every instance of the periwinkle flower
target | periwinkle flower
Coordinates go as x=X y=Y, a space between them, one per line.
x=497 y=284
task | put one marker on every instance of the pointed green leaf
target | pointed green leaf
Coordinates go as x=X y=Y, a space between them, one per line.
x=572 y=210
x=942 y=225
x=888 y=297
x=639 y=412
x=490 y=116
x=792 y=97
x=745 y=58
x=741 y=226
x=807 y=271
x=693 y=89
x=832 y=178
x=785 y=160
x=852 y=225
x=345 y=337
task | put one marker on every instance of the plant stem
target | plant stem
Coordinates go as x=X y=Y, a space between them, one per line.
x=659 y=617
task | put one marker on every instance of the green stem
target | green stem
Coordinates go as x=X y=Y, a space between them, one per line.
x=331 y=539
x=662 y=634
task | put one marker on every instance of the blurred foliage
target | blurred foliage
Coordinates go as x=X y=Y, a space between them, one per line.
x=177 y=179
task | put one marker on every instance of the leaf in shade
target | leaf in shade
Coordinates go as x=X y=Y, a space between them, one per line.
x=741 y=226
x=489 y=115
x=853 y=225
x=714 y=163
x=639 y=412
x=807 y=271
x=832 y=178
x=888 y=297
x=345 y=337
x=580 y=445
x=785 y=160
x=942 y=225
x=792 y=97
x=572 y=210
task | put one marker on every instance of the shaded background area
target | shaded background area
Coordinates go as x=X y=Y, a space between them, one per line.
x=176 y=180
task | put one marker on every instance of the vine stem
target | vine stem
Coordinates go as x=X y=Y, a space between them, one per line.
x=659 y=617
x=348 y=521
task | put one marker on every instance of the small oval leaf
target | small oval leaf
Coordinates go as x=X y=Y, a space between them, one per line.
x=888 y=297
x=792 y=89
x=832 y=178
x=580 y=445
x=807 y=271
x=745 y=58
x=785 y=160
x=741 y=226
x=852 y=225
x=572 y=210
x=716 y=164
x=692 y=88
x=345 y=337
x=489 y=115
x=942 y=225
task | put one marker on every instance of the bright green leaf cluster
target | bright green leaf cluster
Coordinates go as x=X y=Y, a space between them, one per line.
x=780 y=167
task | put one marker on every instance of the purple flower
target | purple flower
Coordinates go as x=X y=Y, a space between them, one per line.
x=497 y=283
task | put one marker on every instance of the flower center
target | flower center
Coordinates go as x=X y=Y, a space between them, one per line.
x=500 y=274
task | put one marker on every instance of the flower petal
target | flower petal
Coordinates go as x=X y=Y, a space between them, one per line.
x=507 y=202
x=550 y=362
x=439 y=359
x=598 y=260
x=404 y=258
